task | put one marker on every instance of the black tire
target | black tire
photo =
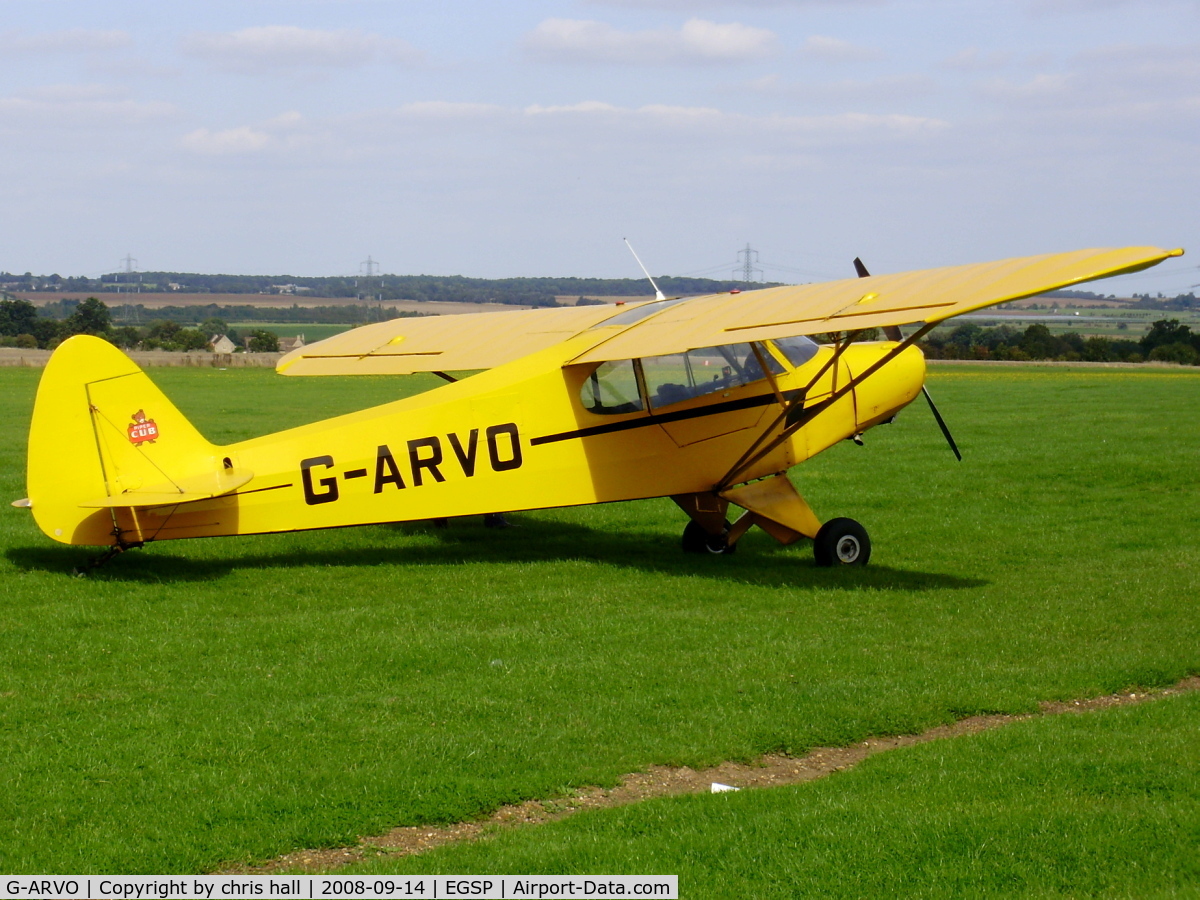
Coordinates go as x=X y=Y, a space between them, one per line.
x=842 y=542
x=697 y=540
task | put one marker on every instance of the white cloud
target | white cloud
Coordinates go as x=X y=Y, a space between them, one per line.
x=1047 y=88
x=73 y=40
x=230 y=141
x=698 y=41
x=858 y=124
x=831 y=49
x=1093 y=6
x=444 y=109
x=1107 y=79
x=589 y=107
x=889 y=89
x=269 y=47
x=972 y=59
x=714 y=4
x=68 y=105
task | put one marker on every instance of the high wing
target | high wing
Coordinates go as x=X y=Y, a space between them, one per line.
x=657 y=328
x=442 y=343
x=929 y=295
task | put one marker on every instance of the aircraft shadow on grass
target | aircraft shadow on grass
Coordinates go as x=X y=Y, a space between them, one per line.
x=762 y=563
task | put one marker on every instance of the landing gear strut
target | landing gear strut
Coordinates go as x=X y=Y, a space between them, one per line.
x=119 y=547
x=697 y=540
x=774 y=505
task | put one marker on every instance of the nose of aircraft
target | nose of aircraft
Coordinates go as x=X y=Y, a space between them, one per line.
x=889 y=389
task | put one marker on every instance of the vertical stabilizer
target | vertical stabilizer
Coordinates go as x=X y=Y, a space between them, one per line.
x=103 y=433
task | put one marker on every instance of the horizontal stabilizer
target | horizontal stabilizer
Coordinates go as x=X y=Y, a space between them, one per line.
x=170 y=493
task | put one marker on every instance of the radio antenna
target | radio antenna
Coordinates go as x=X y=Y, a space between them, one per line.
x=658 y=295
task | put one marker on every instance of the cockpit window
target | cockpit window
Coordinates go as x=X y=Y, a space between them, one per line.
x=798 y=350
x=612 y=389
x=682 y=376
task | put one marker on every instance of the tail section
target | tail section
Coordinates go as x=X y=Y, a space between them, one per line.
x=105 y=443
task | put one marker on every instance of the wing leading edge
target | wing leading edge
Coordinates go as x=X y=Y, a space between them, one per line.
x=487 y=340
x=929 y=295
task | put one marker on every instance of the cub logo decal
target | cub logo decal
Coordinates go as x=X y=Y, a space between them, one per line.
x=141 y=429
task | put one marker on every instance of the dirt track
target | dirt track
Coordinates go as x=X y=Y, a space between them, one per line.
x=662 y=781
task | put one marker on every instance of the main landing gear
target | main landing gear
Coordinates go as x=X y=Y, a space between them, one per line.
x=774 y=505
x=841 y=542
x=697 y=540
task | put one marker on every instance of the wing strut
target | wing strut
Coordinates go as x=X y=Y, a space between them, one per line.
x=788 y=409
x=798 y=416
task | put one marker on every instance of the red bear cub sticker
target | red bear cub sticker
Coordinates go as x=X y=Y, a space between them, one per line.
x=141 y=429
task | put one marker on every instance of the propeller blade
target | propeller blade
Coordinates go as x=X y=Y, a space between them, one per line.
x=891 y=332
x=941 y=423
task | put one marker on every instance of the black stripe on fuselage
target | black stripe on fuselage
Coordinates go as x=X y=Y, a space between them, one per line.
x=663 y=418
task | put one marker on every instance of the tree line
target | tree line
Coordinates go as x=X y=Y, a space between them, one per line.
x=21 y=325
x=457 y=288
x=1167 y=341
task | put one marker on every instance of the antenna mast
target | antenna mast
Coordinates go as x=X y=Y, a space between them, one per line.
x=658 y=295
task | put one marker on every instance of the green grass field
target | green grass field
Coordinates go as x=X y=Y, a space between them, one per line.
x=196 y=704
x=1103 y=804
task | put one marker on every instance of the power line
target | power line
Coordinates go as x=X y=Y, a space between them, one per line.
x=747 y=266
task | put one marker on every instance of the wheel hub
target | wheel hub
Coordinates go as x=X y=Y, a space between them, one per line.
x=848 y=549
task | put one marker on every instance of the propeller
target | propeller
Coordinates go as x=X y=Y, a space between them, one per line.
x=941 y=423
x=892 y=333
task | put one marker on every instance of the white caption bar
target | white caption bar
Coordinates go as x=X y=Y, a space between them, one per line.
x=314 y=887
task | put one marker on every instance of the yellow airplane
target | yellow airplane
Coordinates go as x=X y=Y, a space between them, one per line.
x=707 y=400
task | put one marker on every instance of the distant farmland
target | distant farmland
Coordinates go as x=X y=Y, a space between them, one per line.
x=267 y=301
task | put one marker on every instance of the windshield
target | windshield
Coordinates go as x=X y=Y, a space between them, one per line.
x=637 y=313
x=798 y=350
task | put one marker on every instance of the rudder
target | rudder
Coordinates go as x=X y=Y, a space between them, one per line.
x=103 y=441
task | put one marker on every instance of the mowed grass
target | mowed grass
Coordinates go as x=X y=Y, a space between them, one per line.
x=1099 y=804
x=200 y=703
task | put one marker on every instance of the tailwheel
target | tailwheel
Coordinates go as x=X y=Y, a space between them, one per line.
x=842 y=542
x=697 y=540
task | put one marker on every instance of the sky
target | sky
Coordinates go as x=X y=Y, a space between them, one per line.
x=529 y=137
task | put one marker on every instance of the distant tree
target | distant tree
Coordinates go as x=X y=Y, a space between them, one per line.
x=1165 y=332
x=191 y=339
x=90 y=317
x=47 y=332
x=25 y=341
x=1184 y=354
x=1038 y=342
x=17 y=317
x=213 y=325
x=1098 y=349
x=264 y=341
x=965 y=336
x=164 y=330
x=126 y=336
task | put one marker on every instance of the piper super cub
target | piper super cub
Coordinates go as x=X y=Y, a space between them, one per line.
x=706 y=400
